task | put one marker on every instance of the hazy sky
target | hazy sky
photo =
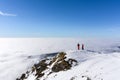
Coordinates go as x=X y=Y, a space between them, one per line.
x=60 y=18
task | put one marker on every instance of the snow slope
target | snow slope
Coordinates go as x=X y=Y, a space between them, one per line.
x=94 y=66
x=97 y=62
x=91 y=66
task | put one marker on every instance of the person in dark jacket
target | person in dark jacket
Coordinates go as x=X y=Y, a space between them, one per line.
x=82 y=46
x=78 y=46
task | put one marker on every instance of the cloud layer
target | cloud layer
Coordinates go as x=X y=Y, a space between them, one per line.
x=6 y=14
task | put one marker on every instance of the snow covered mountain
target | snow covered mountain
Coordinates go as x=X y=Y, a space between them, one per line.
x=96 y=62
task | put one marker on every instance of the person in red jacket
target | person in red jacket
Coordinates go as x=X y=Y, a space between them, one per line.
x=78 y=46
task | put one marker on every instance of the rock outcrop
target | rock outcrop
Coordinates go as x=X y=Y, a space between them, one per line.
x=48 y=66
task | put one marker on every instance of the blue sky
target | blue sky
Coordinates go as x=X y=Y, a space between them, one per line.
x=60 y=18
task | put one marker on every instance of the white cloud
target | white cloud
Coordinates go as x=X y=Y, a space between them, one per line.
x=6 y=14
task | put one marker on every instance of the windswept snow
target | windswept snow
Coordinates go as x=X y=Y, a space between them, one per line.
x=99 y=61
x=91 y=65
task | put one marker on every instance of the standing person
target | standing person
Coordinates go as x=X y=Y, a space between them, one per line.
x=82 y=46
x=78 y=46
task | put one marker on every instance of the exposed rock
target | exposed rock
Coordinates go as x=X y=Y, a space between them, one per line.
x=87 y=78
x=61 y=66
x=57 y=63
x=73 y=78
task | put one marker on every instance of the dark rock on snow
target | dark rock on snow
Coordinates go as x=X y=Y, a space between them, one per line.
x=59 y=63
